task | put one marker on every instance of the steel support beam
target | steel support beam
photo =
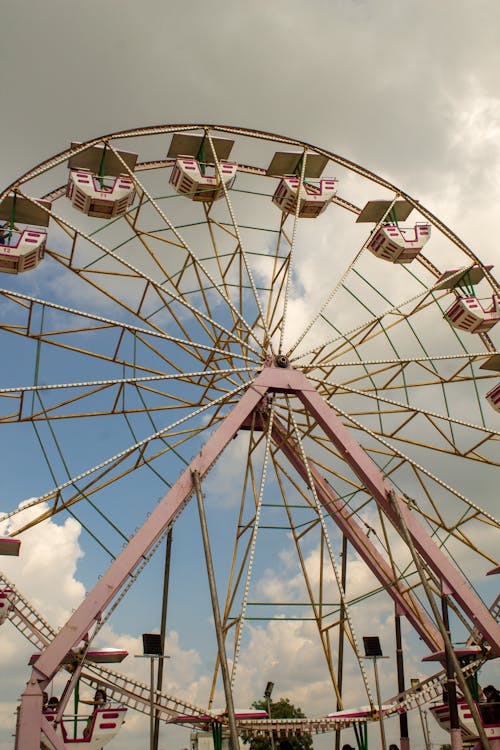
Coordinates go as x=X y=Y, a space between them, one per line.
x=360 y=541
x=372 y=478
x=271 y=379
x=90 y=611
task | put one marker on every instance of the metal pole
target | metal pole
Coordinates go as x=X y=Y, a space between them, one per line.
x=340 y=657
x=425 y=728
x=380 y=712
x=446 y=639
x=151 y=704
x=403 y=718
x=233 y=731
x=451 y=685
x=269 y=714
x=163 y=631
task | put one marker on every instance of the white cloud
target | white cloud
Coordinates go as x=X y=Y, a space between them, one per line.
x=49 y=585
x=45 y=574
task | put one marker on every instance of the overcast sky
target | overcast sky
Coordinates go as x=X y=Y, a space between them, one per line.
x=393 y=85
x=408 y=88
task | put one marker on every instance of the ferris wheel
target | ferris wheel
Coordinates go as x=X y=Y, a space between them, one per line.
x=260 y=325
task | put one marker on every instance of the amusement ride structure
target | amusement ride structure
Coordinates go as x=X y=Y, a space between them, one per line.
x=240 y=319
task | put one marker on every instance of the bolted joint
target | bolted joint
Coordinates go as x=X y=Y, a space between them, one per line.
x=281 y=361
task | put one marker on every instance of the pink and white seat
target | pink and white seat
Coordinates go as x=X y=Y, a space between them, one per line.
x=187 y=179
x=313 y=199
x=398 y=244
x=106 y=723
x=88 y=195
x=468 y=314
x=25 y=254
x=441 y=713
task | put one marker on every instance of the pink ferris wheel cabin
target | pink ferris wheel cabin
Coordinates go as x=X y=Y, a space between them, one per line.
x=202 y=170
x=100 y=182
x=23 y=236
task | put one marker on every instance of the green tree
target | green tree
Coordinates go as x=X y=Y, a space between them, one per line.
x=281 y=709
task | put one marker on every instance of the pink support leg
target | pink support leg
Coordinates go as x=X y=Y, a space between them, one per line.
x=456 y=739
x=28 y=729
x=271 y=379
x=336 y=509
x=89 y=612
x=371 y=476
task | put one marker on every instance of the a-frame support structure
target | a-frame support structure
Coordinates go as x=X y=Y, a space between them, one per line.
x=31 y=724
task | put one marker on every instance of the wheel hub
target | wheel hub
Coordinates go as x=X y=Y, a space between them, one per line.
x=281 y=361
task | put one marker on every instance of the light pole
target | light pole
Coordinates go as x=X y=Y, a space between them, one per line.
x=267 y=696
x=152 y=647
x=403 y=717
x=373 y=651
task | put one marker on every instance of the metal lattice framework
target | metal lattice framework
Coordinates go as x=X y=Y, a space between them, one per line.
x=183 y=323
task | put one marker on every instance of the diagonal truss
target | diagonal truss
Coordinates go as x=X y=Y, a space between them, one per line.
x=289 y=381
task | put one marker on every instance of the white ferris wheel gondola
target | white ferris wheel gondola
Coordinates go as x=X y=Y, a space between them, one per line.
x=399 y=244
x=22 y=249
x=193 y=156
x=472 y=315
x=99 y=184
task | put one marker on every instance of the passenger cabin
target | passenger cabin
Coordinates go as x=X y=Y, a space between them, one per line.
x=22 y=248
x=390 y=241
x=295 y=193
x=493 y=397
x=397 y=244
x=24 y=251
x=99 y=184
x=5 y=603
x=487 y=711
x=195 y=174
x=105 y=725
x=188 y=179
x=441 y=712
x=312 y=199
x=90 y=730
x=469 y=314
x=89 y=194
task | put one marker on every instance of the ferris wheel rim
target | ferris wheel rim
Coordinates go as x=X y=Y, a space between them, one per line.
x=260 y=135
x=234 y=130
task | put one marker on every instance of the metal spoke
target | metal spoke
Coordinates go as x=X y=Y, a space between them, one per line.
x=192 y=256
x=140 y=445
x=157 y=326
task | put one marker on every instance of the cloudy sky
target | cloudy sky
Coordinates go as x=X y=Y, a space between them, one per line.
x=407 y=88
